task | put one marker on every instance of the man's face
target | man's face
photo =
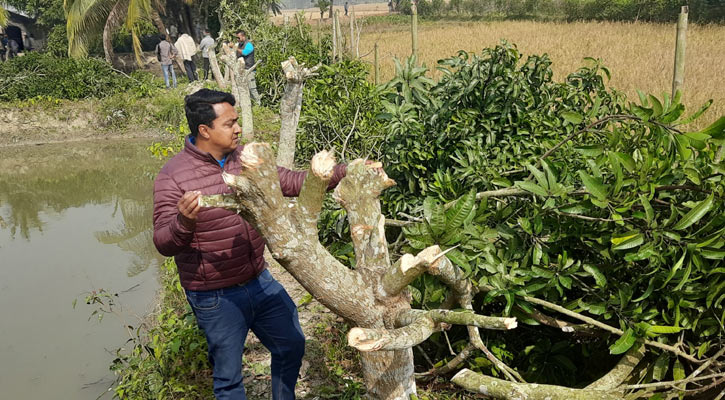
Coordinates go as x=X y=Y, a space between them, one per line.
x=241 y=37
x=223 y=134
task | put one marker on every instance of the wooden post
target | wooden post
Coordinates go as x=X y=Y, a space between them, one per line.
x=334 y=38
x=414 y=28
x=319 y=36
x=352 y=32
x=678 y=79
x=340 y=45
x=376 y=66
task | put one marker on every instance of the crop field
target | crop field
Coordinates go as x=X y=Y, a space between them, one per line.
x=639 y=55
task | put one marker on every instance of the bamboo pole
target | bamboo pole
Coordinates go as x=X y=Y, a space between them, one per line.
x=334 y=39
x=414 y=29
x=340 y=44
x=376 y=64
x=319 y=37
x=678 y=78
x=352 y=32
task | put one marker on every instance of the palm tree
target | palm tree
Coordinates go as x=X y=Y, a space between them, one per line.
x=89 y=18
x=3 y=16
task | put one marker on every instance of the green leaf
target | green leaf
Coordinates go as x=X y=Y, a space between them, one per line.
x=674 y=269
x=572 y=117
x=457 y=214
x=716 y=130
x=594 y=186
x=661 y=329
x=532 y=187
x=623 y=343
x=696 y=114
x=598 y=275
x=678 y=371
x=539 y=175
x=626 y=160
x=695 y=214
x=631 y=242
x=649 y=211
x=662 y=364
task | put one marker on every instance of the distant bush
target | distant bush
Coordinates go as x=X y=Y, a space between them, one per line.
x=39 y=74
x=572 y=10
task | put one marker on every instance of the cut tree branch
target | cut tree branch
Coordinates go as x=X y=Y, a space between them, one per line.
x=406 y=337
x=621 y=371
x=504 y=390
x=449 y=317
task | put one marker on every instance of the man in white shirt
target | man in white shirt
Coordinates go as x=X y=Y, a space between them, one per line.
x=187 y=48
x=206 y=43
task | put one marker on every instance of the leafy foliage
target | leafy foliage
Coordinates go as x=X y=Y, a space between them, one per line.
x=339 y=110
x=37 y=74
x=612 y=211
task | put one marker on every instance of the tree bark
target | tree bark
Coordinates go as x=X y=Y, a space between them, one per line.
x=215 y=71
x=240 y=89
x=290 y=108
x=358 y=295
x=504 y=390
x=113 y=22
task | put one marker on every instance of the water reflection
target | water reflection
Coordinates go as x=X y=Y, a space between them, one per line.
x=73 y=218
x=53 y=178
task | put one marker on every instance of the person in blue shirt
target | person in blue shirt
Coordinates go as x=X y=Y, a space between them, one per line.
x=245 y=49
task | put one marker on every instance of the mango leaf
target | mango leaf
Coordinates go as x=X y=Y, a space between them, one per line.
x=678 y=371
x=674 y=269
x=598 y=275
x=458 y=213
x=594 y=186
x=716 y=130
x=696 y=114
x=623 y=343
x=572 y=117
x=662 y=365
x=626 y=160
x=660 y=329
x=631 y=242
x=531 y=187
x=695 y=214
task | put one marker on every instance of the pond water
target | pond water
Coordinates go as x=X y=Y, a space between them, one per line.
x=73 y=218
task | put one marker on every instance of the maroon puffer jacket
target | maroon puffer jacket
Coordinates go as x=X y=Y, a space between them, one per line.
x=223 y=250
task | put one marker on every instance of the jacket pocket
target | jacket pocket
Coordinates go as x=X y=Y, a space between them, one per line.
x=203 y=301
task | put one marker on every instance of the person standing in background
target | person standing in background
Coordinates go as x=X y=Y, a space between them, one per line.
x=346 y=9
x=206 y=43
x=187 y=48
x=165 y=53
x=245 y=49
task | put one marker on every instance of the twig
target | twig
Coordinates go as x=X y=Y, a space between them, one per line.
x=670 y=383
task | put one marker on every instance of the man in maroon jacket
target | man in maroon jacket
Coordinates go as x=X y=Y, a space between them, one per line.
x=220 y=256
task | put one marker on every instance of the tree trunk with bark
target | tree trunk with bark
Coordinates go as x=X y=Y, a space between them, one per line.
x=373 y=296
x=290 y=108
x=113 y=22
x=239 y=79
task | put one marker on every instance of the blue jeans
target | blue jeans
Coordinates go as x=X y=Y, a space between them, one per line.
x=168 y=69
x=226 y=315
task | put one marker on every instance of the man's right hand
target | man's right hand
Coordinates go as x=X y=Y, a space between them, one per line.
x=189 y=208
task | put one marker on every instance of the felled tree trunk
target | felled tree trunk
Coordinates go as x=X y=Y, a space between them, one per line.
x=215 y=71
x=373 y=296
x=240 y=89
x=290 y=107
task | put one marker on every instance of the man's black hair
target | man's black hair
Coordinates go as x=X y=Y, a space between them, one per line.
x=242 y=32
x=162 y=37
x=199 y=107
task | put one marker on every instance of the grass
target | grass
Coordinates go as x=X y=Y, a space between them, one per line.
x=639 y=55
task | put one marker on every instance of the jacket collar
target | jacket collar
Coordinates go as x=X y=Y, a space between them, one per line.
x=192 y=150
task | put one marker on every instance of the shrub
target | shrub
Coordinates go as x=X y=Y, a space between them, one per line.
x=42 y=74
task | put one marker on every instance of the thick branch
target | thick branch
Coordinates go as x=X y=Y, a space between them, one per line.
x=290 y=106
x=409 y=267
x=313 y=190
x=297 y=249
x=621 y=371
x=227 y=200
x=359 y=193
x=449 y=317
x=395 y=339
x=504 y=390
x=215 y=71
